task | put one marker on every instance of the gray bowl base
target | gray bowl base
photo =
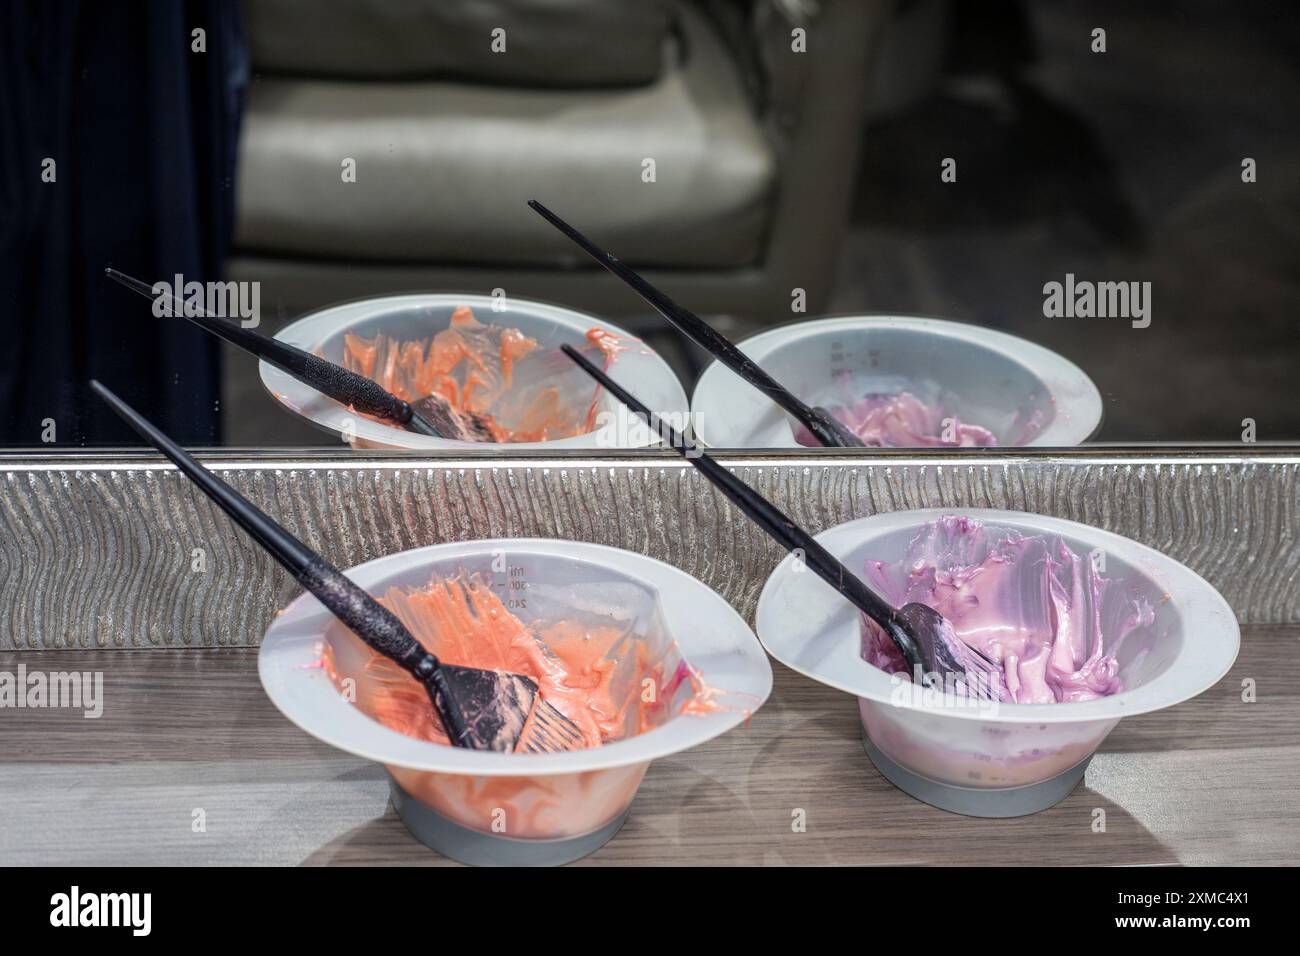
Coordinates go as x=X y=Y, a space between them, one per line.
x=470 y=846
x=975 y=801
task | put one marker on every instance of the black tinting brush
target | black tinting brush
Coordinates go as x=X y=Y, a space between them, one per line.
x=824 y=426
x=478 y=709
x=919 y=632
x=432 y=415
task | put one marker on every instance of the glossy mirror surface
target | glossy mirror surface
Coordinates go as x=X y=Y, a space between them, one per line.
x=1039 y=225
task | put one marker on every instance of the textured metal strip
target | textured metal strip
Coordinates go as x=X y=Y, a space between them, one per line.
x=105 y=551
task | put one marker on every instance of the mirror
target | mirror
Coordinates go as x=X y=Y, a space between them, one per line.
x=948 y=225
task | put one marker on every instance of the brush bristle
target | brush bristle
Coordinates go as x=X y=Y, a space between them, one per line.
x=451 y=423
x=548 y=731
x=494 y=706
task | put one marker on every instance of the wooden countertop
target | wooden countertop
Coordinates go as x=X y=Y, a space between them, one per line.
x=1211 y=781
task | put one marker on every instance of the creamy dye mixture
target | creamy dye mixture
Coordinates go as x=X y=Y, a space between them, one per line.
x=1047 y=619
x=593 y=674
x=480 y=382
x=902 y=420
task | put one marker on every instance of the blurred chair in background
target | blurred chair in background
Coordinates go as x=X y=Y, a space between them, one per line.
x=693 y=139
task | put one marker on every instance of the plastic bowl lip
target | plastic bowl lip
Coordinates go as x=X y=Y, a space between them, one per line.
x=1058 y=375
x=702 y=622
x=310 y=330
x=1211 y=635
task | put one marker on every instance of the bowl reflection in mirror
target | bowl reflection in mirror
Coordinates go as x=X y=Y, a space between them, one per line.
x=901 y=381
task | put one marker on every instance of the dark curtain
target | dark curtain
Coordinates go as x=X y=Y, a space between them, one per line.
x=143 y=131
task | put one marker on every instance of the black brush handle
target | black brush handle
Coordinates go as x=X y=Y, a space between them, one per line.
x=763 y=513
x=346 y=388
x=366 y=617
x=823 y=426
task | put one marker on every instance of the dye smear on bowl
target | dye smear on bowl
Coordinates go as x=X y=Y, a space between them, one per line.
x=614 y=676
x=1051 y=622
x=899 y=419
x=1045 y=615
x=995 y=758
x=895 y=380
x=483 y=382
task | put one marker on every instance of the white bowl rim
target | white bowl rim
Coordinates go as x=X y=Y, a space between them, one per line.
x=1058 y=374
x=308 y=331
x=1211 y=634
x=288 y=666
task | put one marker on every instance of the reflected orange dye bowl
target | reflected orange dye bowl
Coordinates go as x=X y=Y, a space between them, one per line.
x=419 y=317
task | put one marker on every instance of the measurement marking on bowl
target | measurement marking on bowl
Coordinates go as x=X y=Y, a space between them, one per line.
x=514 y=582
